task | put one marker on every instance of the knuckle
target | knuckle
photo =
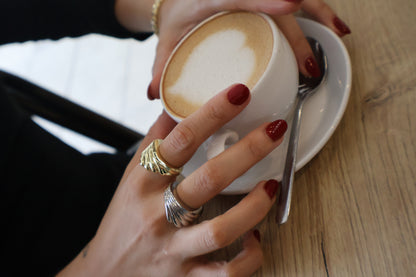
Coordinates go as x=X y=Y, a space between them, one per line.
x=216 y=113
x=256 y=150
x=182 y=138
x=207 y=181
x=215 y=237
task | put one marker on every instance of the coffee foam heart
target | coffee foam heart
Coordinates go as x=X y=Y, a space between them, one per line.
x=231 y=62
x=231 y=48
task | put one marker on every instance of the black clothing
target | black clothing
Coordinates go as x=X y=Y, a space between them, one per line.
x=22 y=20
x=52 y=196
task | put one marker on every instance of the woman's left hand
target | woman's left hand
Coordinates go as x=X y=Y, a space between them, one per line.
x=135 y=238
x=174 y=23
x=176 y=18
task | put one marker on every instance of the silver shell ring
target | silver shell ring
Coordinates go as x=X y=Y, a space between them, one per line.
x=175 y=213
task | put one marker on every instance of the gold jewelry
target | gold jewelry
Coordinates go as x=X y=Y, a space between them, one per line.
x=152 y=160
x=155 y=16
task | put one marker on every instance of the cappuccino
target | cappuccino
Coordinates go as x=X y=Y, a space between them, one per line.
x=230 y=48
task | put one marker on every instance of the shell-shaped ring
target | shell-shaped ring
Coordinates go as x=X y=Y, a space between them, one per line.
x=175 y=212
x=152 y=160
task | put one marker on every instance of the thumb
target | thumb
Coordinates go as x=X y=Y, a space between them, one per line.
x=163 y=50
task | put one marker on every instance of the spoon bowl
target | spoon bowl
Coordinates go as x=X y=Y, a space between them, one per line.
x=307 y=86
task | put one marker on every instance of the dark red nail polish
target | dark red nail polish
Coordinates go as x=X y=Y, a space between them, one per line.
x=238 y=94
x=341 y=26
x=276 y=129
x=312 y=67
x=256 y=234
x=271 y=187
x=149 y=93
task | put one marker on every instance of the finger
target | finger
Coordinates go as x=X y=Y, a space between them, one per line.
x=160 y=129
x=246 y=263
x=250 y=259
x=304 y=56
x=179 y=146
x=164 y=48
x=168 y=40
x=276 y=7
x=216 y=174
x=323 y=13
x=224 y=229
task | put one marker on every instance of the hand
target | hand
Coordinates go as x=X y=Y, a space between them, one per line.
x=323 y=13
x=134 y=237
x=174 y=24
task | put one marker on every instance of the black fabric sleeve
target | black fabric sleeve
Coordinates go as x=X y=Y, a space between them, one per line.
x=52 y=196
x=23 y=20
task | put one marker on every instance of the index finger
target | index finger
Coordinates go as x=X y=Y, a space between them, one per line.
x=160 y=129
x=179 y=146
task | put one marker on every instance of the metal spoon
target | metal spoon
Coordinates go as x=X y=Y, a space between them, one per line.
x=307 y=86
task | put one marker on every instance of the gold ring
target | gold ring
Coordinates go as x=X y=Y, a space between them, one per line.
x=152 y=161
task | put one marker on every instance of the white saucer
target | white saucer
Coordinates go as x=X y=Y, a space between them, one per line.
x=323 y=111
x=321 y=114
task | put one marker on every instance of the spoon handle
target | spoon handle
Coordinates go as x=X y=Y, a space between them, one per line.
x=285 y=197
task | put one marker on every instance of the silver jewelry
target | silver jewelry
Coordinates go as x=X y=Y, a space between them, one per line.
x=175 y=213
x=151 y=160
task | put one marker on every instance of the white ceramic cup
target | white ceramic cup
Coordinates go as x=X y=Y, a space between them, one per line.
x=272 y=97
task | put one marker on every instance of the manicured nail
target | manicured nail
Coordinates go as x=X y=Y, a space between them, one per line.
x=312 y=67
x=256 y=234
x=294 y=1
x=341 y=26
x=271 y=187
x=149 y=93
x=276 y=129
x=238 y=94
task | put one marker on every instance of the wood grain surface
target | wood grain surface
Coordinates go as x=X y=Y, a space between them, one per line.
x=354 y=205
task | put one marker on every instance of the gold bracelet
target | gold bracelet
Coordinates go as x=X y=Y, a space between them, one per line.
x=155 y=16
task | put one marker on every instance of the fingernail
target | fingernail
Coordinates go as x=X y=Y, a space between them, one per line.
x=294 y=1
x=149 y=93
x=276 y=129
x=256 y=234
x=312 y=67
x=271 y=187
x=341 y=26
x=238 y=94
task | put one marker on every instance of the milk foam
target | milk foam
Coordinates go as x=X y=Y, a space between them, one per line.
x=231 y=62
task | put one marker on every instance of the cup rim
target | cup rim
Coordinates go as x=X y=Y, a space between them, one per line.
x=276 y=42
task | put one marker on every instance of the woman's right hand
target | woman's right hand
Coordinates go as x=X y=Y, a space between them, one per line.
x=135 y=238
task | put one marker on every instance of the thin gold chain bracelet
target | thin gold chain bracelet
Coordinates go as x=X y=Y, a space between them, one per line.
x=155 y=16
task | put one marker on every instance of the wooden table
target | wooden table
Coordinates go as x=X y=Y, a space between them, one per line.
x=354 y=205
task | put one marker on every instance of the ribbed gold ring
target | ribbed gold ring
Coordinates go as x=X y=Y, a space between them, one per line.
x=152 y=161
